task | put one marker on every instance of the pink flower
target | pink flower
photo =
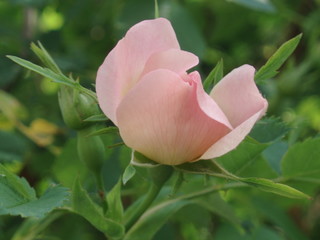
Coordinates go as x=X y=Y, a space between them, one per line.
x=161 y=110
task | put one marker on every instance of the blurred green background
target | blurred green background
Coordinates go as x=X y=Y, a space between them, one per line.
x=79 y=34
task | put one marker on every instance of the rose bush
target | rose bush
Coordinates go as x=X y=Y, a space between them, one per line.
x=161 y=110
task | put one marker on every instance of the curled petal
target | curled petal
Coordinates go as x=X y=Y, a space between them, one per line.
x=233 y=139
x=123 y=66
x=241 y=101
x=161 y=118
x=238 y=96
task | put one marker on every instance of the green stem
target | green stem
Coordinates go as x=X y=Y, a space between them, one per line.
x=156 y=9
x=213 y=189
x=159 y=176
x=151 y=195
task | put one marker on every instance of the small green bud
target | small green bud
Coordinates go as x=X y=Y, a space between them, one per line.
x=75 y=107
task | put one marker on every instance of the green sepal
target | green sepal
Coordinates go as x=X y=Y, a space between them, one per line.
x=107 y=130
x=138 y=159
x=96 y=118
x=128 y=173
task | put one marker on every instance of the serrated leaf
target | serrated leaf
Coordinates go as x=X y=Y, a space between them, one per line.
x=277 y=188
x=129 y=172
x=14 y=189
x=53 y=198
x=214 y=77
x=269 y=130
x=115 y=207
x=270 y=69
x=18 y=198
x=58 y=78
x=84 y=206
x=302 y=160
x=96 y=118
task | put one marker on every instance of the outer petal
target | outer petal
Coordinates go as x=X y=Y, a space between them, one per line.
x=238 y=96
x=232 y=140
x=241 y=101
x=161 y=118
x=123 y=66
x=173 y=59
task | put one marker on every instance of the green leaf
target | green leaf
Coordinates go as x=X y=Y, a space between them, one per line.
x=302 y=161
x=106 y=130
x=58 y=78
x=214 y=169
x=129 y=172
x=53 y=198
x=154 y=218
x=138 y=159
x=115 y=208
x=277 y=188
x=45 y=57
x=96 y=118
x=18 y=198
x=274 y=154
x=84 y=206
x=214 y=77
x=242 y=157
x=269 y=130
x=270 y=69
x=14 y=189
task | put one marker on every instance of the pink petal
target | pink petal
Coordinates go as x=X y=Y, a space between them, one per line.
x=123 y=66
x=161 y=118
x=234 y=138
x=207 y=104
x=241 y=101
x=238 y=96
x=173 y=59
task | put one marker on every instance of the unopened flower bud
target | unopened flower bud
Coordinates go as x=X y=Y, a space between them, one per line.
x=76 y=107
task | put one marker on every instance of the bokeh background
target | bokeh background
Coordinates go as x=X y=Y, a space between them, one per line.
x=79 y=34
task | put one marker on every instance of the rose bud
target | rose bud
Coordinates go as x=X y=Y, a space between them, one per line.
x=161 y=110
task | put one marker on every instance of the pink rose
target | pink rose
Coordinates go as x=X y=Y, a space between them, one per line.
x=161 y=110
